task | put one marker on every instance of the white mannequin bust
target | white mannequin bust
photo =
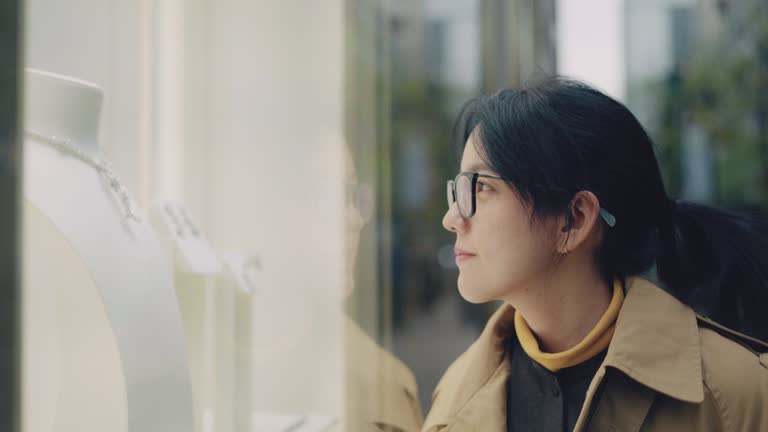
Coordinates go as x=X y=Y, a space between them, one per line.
x=104 y=344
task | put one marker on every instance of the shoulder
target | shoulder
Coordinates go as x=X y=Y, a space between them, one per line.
x=450 y=382
x=735 y=372
x=369 y=354
x=477 y=364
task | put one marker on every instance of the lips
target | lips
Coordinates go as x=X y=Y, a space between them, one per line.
x=462 y=255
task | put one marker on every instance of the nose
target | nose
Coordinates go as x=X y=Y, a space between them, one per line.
x=452 y=221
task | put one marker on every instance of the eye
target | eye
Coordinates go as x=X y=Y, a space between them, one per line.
x=481 y=187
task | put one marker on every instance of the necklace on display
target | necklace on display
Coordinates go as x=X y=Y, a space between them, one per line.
x=101 y=165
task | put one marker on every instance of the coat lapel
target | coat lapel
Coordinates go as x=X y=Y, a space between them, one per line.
x=655 y=349
x=472 y=393
x=623 y=406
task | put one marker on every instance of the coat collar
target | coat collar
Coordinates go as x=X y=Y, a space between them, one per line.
x=656 y=343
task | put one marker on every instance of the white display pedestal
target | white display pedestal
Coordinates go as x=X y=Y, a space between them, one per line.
x=102 y=323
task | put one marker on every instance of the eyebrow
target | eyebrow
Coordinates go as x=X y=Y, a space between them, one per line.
x=479 y=166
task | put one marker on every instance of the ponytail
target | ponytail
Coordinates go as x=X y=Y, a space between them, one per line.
x=716 y=261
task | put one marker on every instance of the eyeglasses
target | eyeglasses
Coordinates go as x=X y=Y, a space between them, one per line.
x=463 y=191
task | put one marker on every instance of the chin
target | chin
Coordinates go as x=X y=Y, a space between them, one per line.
x=475 y=295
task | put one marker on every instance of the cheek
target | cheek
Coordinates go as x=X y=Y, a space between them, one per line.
x=513 y=254
x=510 y=247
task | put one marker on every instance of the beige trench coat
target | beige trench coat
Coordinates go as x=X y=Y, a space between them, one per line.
x=666 y=369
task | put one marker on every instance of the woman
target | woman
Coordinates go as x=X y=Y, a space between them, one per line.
x=610 y=289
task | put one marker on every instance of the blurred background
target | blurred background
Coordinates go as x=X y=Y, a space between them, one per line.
x=314 y=139
x=695 y=72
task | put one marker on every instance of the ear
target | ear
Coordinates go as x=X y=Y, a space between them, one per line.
x=582 y=220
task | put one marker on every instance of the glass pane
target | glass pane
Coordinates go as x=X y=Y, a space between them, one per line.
x=232 y=209
x=434 y=56
x=220 y=306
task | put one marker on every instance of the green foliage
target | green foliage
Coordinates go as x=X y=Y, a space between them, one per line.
x=724 y=89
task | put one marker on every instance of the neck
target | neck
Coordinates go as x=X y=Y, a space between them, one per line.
x=62 y=107
x=563 y=308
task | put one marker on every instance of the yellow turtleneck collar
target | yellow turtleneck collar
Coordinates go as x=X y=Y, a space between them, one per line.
x=595 y=342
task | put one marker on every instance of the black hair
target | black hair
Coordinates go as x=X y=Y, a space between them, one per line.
x=554 y=137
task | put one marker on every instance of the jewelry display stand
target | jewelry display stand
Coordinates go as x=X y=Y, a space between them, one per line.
x=207 y=311
x=104 y=344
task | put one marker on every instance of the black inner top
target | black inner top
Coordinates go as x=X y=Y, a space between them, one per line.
x=540 y=400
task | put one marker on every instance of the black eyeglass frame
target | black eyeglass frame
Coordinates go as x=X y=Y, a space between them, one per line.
x=609 y=218
x=451 y=190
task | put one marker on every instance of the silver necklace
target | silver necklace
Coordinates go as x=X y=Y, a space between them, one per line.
x=100 y=164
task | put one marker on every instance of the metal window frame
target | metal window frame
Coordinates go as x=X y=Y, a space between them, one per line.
x=10 y=220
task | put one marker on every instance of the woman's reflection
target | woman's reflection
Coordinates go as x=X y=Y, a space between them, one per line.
x=381 y=390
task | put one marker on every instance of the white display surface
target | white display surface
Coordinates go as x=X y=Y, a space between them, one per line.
x=119 y=280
